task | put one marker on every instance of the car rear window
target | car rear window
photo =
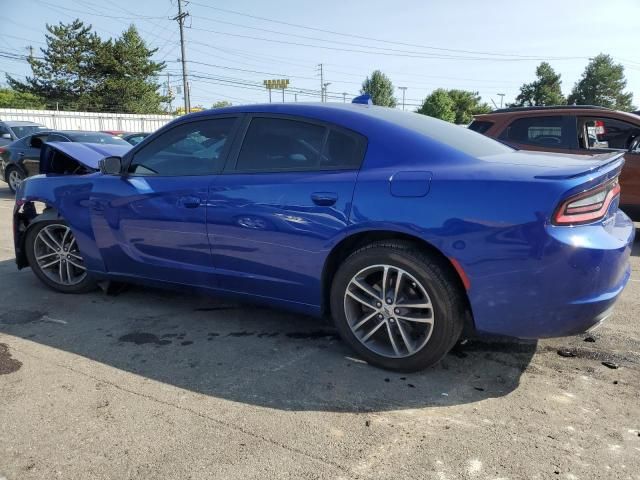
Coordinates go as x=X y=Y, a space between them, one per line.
x=91 y=137
x=545 y=131
x=25 y=130
x=456 y=136
x=480 y=126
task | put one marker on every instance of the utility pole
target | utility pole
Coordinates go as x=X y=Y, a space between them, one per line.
x=321 y=83
x=31 y=51
x=344 y=97
x=404 y=89
x=185 y=82
x=501 y=95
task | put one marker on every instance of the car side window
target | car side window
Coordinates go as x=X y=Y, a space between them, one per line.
x=343 y=150
x=607 y=133
x=278 y=144
x=4 y=130
x=194 y=148
x=54 y=137
x=37 y=141
x=544 y=131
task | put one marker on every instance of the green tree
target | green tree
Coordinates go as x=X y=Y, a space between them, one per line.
x=466 y=104
x=380 y=88
x=11 y=99
x=545 y=90
x=602 y=84
x=66 y=73
x=79 y=71
x=439 y=105
x=129 y=81
x=221 y=104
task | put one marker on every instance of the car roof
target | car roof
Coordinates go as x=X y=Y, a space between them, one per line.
x=357 y=117
x=557 y=110
x=20 y=123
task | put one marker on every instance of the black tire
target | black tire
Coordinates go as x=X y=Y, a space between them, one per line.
x=447 y=298
x=8 y=173
x=87 y=284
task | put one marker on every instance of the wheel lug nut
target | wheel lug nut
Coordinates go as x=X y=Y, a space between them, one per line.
x=389 y=300
x=378 y=304
x=396 y=311
x=380 y=316
x=392 y=320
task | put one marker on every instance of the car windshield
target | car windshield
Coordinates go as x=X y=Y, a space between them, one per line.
x=96 y=137
x=24 y=130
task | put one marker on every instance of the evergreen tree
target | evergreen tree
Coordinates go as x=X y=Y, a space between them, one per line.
x=543 y=91
x=602 y=84
x=67 y=72
x=129 y=75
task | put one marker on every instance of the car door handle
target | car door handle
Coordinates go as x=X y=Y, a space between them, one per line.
x=324 y=199
x=189 y=202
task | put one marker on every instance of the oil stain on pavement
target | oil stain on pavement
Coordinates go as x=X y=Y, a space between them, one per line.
x=7 y=363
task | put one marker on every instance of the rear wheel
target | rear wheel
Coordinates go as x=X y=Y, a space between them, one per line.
x=396 y=306
x=54 y=257
x=14 y=178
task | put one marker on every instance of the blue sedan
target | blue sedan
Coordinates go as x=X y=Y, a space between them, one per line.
x=406 y=230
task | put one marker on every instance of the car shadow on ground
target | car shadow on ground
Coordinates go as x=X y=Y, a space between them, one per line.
x=245 y=353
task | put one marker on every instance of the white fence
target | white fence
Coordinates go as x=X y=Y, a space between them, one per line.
x=128 y=122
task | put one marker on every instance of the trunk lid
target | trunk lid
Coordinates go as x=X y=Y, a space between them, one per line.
x=552 y=166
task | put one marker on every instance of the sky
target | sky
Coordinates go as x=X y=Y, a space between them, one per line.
x=490 y=46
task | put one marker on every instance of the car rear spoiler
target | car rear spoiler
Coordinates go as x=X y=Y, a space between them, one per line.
x=600 y=162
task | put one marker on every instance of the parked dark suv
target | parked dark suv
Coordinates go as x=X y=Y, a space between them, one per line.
x=577 y=129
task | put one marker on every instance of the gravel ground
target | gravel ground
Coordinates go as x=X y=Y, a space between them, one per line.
x=152 y=384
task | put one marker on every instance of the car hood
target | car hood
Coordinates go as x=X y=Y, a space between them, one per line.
x=88 y=154
x=555 y=165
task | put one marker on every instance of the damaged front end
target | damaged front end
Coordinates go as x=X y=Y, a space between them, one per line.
x=61 y=191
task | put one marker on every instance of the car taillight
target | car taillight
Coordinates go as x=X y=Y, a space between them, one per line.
x=2 y=150
x=587 y=207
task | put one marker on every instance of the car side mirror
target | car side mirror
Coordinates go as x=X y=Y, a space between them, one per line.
x=7 y=136
x=111 y=166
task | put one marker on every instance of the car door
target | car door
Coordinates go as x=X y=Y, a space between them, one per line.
x=602 y=134
x=29 y=154
x=150 y=221
x=546 y=133
x=285 y=193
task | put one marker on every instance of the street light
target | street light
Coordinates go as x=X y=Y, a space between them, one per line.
x=404 y=89
x=324 y=88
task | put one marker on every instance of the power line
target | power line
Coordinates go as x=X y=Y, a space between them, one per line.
x=362 y=37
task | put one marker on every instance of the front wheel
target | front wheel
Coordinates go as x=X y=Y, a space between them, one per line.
x=54 y=257
x=14 y=178
x=398 y=307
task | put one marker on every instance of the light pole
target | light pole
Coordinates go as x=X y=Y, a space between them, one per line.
x=344 y=97
x=325 y=85
x=501 y=95
x=404 y=89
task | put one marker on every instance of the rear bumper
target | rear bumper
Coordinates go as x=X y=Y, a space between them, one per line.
x=568 y=284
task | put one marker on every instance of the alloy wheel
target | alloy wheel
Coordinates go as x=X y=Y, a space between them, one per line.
x=15 y=179
x=389 y=311
x=57 y=255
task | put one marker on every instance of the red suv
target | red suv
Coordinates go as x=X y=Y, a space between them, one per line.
x=577 y=129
